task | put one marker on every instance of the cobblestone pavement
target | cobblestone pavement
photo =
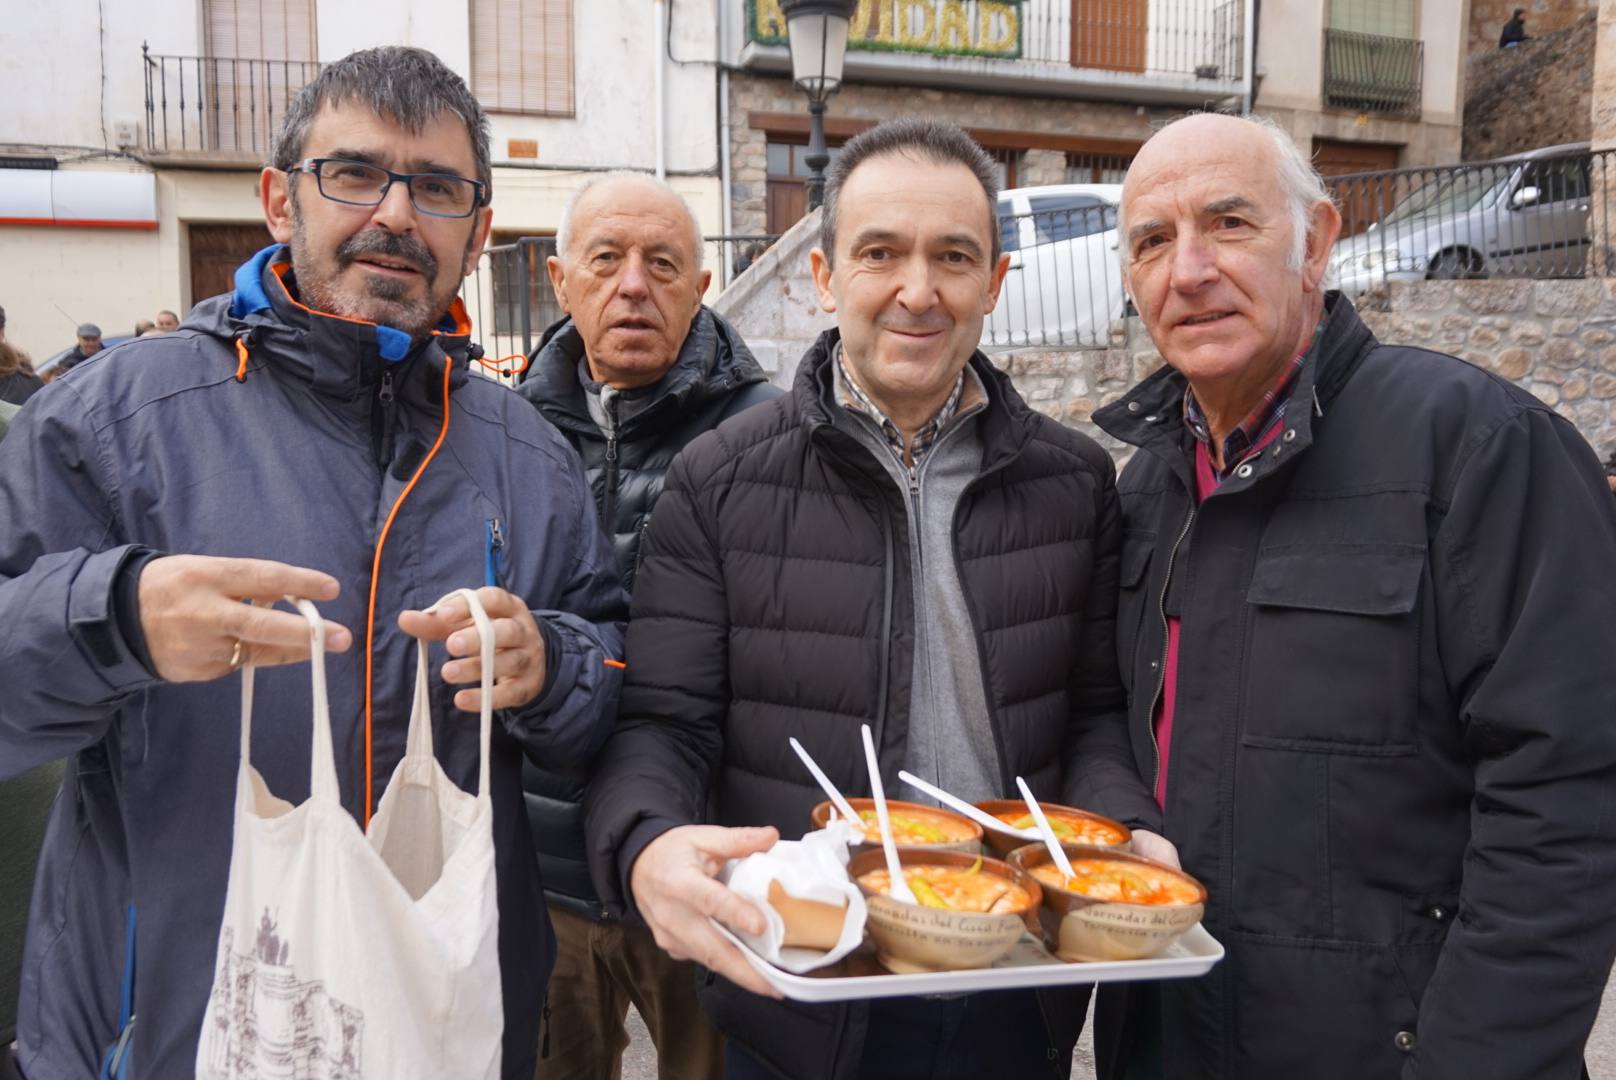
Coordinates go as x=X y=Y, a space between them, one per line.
x=639 y=1063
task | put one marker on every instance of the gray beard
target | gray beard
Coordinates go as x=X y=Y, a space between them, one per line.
x=382 y=301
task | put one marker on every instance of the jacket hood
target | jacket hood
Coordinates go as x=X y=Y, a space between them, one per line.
x=340 y=356
x=713 y=360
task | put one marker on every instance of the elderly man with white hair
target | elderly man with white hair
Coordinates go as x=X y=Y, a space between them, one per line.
x=637 y=369
x=1365 y=623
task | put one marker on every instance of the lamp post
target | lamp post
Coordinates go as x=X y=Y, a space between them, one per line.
x=817 y=30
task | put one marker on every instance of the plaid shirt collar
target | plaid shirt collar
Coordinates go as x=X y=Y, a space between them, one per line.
x=854 y=398
x=1258 y=424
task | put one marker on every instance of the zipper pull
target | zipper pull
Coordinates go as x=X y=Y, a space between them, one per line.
x=385 y=393
x=496 y=534
x=611 y=448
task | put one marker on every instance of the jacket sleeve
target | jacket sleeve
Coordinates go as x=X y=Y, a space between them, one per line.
x=1100 y=773
x=657 y=766
x=1524 y=566
x=67 y=668
x=565 y=725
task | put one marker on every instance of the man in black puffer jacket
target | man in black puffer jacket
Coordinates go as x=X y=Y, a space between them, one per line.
x=900 y=542
x=638 y=369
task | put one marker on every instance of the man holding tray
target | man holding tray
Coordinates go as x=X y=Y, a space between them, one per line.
x=901 y=542
x=1366 y=625
x=315 y=432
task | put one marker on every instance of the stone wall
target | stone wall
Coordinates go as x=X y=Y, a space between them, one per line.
x=1487 y=18
x=1556 y=339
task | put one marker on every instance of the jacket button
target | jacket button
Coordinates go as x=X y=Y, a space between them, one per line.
x=1243 y=472
x=1154 y=664
x=1404 y=1041
x=1438 y=912
x=1290 y=435
x=1133 y=406
x=1152 y=418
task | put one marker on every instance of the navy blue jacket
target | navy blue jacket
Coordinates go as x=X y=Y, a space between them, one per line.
x=157 y=445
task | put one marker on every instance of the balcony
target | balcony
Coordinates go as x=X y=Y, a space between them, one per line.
x=1368 y=73
x=217 y=112
x=1170 y=52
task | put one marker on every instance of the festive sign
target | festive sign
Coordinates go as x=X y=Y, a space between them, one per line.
x=934 y=27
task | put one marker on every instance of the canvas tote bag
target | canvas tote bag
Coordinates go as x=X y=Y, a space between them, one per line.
x=344 y=956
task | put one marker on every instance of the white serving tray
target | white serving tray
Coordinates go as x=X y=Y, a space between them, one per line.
x=1027 y=965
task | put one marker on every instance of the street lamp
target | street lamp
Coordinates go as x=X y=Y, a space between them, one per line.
x=817 y=30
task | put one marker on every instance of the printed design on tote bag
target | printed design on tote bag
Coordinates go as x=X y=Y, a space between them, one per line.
x=258 y=991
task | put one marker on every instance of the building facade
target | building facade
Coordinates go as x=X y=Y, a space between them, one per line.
x=131 y=149
x=1064 y=91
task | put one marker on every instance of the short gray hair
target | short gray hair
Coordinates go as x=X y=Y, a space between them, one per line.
x=408 y=86
x=1301 y=184
x=928 y=140
x=564 y=226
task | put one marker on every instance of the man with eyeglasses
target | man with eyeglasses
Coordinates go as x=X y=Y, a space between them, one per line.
x=314 y=433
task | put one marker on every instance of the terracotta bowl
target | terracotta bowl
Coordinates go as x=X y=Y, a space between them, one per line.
x=913 y=938
x=1080 y=927
x=1003 y=844
x=968 y=832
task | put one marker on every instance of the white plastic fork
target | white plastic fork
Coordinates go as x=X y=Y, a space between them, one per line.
x=830 y=789
x=1056 y=852
x=975 y=813
x=900 y=888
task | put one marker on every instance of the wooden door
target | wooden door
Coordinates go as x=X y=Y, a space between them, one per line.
x=1362 y=200
x=216 y=252
x=1110 y=34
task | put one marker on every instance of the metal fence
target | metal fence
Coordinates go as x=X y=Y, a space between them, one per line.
x=1527 y=216
x=203 y=104
x=1064 y=285
x=1372 y=73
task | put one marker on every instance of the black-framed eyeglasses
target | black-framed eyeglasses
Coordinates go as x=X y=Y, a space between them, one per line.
x=359 y=183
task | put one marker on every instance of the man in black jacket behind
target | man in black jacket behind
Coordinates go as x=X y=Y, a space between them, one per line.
x=1366 y=622
x=637 y=370
x=901 y=542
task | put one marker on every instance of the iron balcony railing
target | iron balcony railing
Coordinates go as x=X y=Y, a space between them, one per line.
x=1370 y=73
x=1064 y=285
x=1525 y=216
x=511 y=304
x=1176 y=38
x=218 y=105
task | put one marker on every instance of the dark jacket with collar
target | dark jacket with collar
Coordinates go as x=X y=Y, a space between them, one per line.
x=299 y=460
x=1393 y=759
x=713 y=378
x=774 y=599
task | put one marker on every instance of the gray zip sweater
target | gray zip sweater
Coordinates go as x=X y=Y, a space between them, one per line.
x=950 y=738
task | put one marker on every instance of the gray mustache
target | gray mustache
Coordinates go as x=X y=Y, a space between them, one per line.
x=381 y=242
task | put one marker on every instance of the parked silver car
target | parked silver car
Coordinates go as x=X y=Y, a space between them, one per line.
x=1525 y=215
x=1064 y=285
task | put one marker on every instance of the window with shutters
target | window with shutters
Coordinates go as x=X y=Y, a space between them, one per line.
x=260 y=53
x=522 y=56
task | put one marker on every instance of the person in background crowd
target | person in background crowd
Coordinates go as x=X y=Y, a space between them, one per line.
x=1366 y=629
x=18 y=382
x=2 y=324
x=89 y=344
x=144 y=327
x=1610 y=471
x=637 y=369
x=167 y=322
x=1514 y=30
x=901 y=541
x=315 y=432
